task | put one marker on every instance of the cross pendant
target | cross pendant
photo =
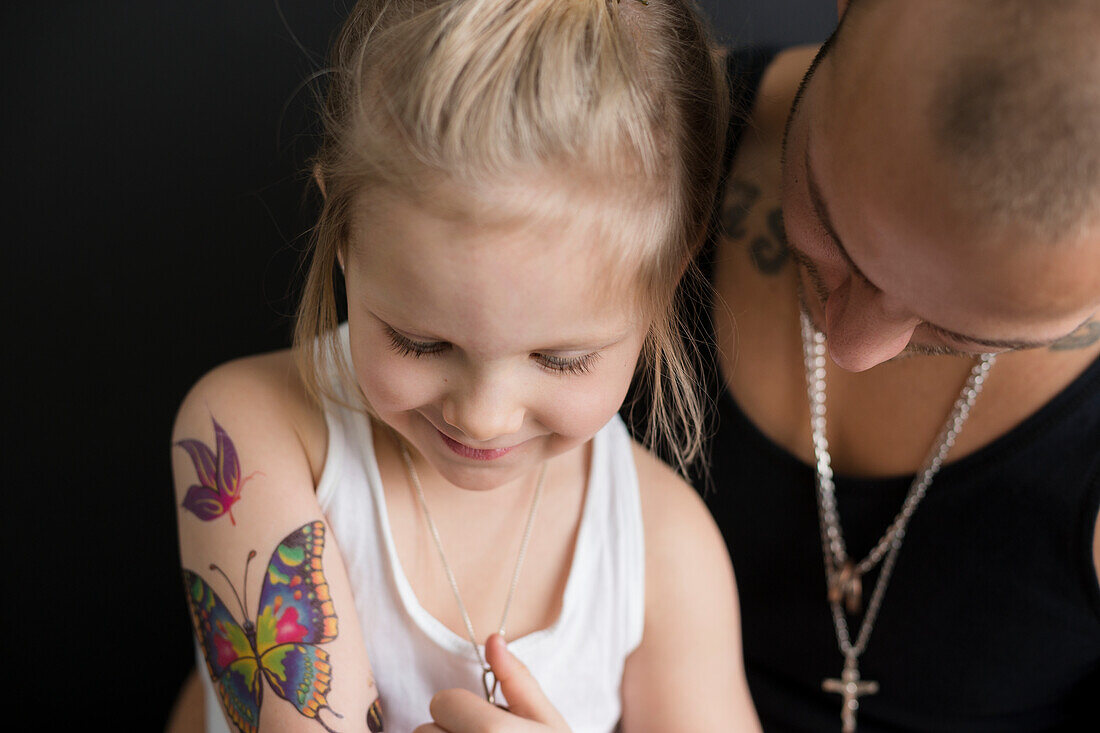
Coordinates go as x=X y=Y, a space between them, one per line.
x=851 y=687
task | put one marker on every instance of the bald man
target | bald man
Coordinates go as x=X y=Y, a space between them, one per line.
x=911 y=242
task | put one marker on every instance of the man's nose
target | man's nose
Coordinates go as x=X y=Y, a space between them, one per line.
x=484 y=409
x=863 y=329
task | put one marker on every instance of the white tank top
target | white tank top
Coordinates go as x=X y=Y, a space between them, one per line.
x=578 y=660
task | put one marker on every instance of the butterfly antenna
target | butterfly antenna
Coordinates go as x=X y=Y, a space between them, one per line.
x=230 y=584
x=323 y=724
x=251 y=554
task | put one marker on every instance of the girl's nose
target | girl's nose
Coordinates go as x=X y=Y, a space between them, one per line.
x=863 y=328
x=483 y=411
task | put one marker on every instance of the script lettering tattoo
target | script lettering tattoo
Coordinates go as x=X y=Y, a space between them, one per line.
x=769 y=254
x=740 y=196
x=219 y=472
x=280 y=649
x=1086 y=335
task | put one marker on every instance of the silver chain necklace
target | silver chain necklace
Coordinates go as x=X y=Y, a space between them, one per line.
x=844 y=575
x=488 y=680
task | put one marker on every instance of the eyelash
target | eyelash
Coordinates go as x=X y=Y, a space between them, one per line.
x=405 y=346
x=578 y=365
x=416 y=349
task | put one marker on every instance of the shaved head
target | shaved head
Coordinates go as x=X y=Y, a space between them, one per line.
x=1013 y=104
x=941 y=173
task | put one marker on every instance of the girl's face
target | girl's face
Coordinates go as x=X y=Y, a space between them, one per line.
x=489 y=349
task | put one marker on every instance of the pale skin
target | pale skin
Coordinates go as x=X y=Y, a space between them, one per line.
x=523 y=350
x=904 y=279
x=262 y=405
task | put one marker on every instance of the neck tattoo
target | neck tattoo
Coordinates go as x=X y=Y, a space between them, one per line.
x=488 y=680
x=845 y=588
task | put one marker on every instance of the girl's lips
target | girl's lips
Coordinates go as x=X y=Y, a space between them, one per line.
x=475 y=453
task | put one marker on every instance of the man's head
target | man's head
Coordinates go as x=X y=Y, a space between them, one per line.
x=941 y=185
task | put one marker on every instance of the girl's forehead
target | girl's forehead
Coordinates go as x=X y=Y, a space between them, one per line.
x=527 y=233
x=494 y=285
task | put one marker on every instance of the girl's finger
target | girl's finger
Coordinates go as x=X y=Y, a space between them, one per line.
x=523 y=693
x=429 y=728
x=461 y=711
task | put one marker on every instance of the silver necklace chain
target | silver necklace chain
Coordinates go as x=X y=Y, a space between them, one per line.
x=486 y=670
x=836 y=556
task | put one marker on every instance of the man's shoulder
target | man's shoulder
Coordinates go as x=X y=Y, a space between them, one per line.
x=776 y=91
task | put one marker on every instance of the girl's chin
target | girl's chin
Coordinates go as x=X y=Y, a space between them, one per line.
x=482 y=478
x=518 y=468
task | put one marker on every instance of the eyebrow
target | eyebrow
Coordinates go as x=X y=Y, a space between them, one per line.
x=821 y=210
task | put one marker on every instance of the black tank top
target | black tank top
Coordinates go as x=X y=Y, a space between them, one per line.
x=991 y=621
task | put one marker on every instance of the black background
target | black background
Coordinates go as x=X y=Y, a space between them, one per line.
x=153 y=217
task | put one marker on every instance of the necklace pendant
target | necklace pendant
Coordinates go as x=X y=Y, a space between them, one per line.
x=846 y=585
x=490 y=683
x=850 y=687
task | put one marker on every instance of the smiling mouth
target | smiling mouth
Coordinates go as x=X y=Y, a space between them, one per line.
x=477 y=454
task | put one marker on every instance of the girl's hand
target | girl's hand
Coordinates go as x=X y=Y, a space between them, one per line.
x=461 y=711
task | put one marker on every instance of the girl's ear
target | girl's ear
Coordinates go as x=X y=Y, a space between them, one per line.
x=841 y=7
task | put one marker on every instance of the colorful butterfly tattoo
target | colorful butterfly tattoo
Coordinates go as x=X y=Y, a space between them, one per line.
x=295 y=616
x=374 y=717
x=220 y=481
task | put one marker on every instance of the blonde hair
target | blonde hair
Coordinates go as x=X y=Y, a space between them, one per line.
x=627 y=95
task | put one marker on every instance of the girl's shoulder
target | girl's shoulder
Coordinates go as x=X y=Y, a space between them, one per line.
x=678 y=525
x=260 y=399
x=691 y=643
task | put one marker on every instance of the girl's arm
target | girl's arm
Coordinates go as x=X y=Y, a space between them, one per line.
x=688 y=674
x=266 y=587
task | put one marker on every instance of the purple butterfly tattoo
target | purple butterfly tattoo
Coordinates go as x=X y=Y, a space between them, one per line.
x=220 y=481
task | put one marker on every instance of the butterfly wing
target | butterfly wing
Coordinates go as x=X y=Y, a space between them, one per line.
x=300 y=674
x=204 y=460
x=295 y=615
x=219 y=475
x=204 y=503
x=228 y=474
x=374 y=716
x=230 y=658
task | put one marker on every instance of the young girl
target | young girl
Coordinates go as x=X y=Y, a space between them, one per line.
x=512 y=191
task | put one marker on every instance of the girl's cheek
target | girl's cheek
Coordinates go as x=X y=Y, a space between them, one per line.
x=573 y=417
x=581 y=405
x=390 y=381
x=393 y=384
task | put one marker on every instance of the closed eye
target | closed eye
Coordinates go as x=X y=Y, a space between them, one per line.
x=406 y=346
x=821 y=211
x=575 y=365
